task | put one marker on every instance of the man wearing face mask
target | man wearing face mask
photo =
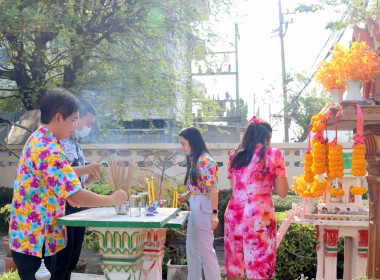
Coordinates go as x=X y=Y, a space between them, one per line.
x=68 y=257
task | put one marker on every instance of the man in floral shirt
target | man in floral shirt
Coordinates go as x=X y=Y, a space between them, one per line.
x=44 y=180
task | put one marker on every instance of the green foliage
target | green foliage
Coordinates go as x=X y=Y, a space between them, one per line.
x=352 y=7
x=6 y=195
x=91 y=241
x=12 y=275
x=165 y=261
x=304 y=107
x=102 y=188
x=299 y=239
x=179 y=258
x=281 y=205
x=224 y=197
x=127 y=58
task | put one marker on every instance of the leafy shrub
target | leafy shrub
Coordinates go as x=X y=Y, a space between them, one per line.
x=301 y=240
x=224 y=197
x=104 y=189
x=281 y=205
x=6 y=195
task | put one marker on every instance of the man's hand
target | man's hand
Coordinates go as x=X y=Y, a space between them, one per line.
x=119 y=197
x=94 y=170
x=72 y=203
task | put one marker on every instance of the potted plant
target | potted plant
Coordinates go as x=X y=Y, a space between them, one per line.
x=8 y=259
x=177 y=266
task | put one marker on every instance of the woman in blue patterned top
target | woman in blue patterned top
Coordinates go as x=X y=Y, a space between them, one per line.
x=201 y=181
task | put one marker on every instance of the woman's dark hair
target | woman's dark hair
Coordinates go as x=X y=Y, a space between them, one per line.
x=85 y=108
x=198 y=146
x=58 y=100
x=254 y=134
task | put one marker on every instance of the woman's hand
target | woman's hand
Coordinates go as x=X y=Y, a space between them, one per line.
x=214 y=221
x=183 y=197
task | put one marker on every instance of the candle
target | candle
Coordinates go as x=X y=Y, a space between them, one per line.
x=152 y=188
x=174 y=199
x=149 y=198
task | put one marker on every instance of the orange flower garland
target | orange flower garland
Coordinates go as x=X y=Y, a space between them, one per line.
x=336 y=192
x=318 y=123
x=319 y=160
x=335 y=161
x=358 y=190
x=319 y=148
x=308 y=173
x=359 y=163
x=300 y=187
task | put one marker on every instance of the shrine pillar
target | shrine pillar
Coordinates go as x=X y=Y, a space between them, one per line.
x=320 y=257
x=331 y=237
x=360 y=261
x=372 y=141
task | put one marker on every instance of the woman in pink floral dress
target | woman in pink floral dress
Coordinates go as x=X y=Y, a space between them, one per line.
x=254 y=170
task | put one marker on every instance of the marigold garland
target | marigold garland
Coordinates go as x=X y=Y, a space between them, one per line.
x=308 y=173
x=301 y=187
x=336 y=192
x=359 y=163
x=319 y=159
x=319 y=148
x=318 y=122
x=335 y=161
x=358 y=190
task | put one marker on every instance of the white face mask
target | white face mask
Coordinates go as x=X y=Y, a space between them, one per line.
x=82 y=133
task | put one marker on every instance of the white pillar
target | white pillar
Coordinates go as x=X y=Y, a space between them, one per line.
x=153 y=254
x=331 y=237
x=320 y=255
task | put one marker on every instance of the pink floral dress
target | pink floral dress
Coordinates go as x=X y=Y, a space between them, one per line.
x=250 y=220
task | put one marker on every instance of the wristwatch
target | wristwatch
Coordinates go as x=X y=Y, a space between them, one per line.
x=214 y=211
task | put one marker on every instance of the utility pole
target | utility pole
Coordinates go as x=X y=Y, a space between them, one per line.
x=238 y=124
x=284 y=93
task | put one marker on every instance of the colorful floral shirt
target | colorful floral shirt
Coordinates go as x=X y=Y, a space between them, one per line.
x=207 y=170
x=44 y=180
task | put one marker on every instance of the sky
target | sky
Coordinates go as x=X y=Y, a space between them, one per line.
x=259 y=52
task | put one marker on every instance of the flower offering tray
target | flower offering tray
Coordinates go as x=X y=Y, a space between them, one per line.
x=347 y=120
